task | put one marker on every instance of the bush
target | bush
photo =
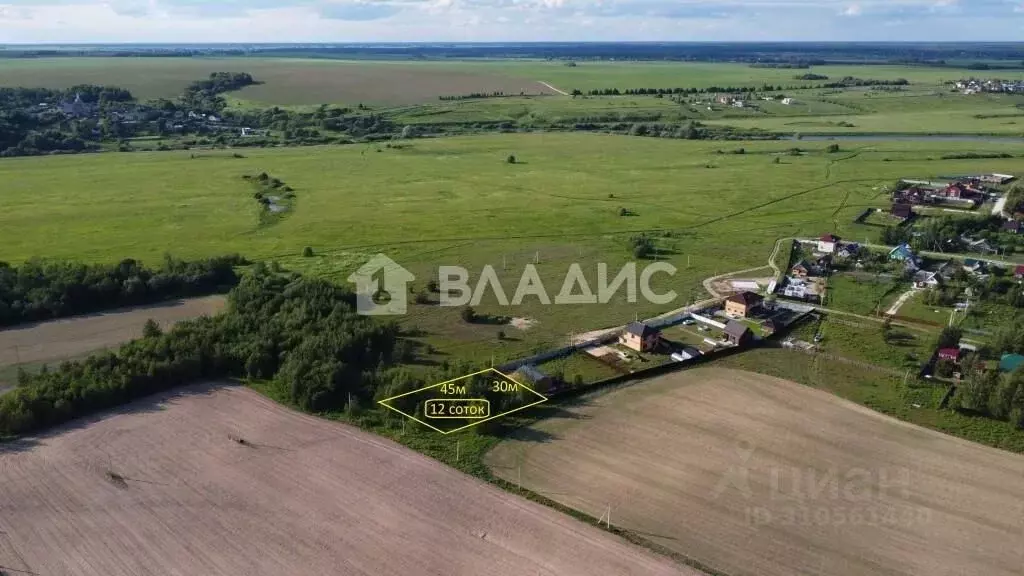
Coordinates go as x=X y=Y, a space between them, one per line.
x=832 y=148
x=511 y=159
x=151 y=329
x=468 y=315
x=307 y=251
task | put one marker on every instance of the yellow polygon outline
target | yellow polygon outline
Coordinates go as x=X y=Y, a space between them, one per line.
x=543 y=399
x=486 y=402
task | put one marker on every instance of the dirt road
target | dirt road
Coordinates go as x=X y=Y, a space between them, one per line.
x=550 y=87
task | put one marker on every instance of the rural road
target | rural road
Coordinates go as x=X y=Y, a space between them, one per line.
x=563 y=93
x=997 y=210
x=895 y=308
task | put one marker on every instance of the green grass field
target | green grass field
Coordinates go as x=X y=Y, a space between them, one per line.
x=408 y=91
x=455 y=201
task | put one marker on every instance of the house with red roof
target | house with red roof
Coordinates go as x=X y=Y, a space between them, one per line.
x=827 y=243
x=951 y=354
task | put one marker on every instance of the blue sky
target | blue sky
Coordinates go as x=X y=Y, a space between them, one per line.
x=507 y=20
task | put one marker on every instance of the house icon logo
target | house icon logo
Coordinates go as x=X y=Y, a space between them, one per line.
x=381 y=287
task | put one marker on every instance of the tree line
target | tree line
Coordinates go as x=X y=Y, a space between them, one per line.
x=302 y=333
x=44 y=289
x=205 y=95
x=846 y=82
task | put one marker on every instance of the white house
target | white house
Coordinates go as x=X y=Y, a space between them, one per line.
x=788 y=101
x=827 y=243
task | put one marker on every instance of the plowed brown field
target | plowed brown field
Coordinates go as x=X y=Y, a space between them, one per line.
x=750 y=474
x=73 y=337
x=300 y=496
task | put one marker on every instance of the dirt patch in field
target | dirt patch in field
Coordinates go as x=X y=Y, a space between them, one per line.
x=72 y=337
x=523 y=324
x=754 y=475
x=221 y=481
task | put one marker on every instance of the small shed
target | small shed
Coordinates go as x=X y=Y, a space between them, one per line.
x=535 y=376
x=738 y=333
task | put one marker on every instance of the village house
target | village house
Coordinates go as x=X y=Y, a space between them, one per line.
x=925 y=279
x=743 y=304
x=902 y=253
x=902 y=211
x=827 y=243
x=796 y=288
x=973 y=266
x=848 y=250
x=1018 y=273
x=947 y=269
x=981 y=246
x=77 y=108
x=738 y=333
x=1013 y=226
x=912 y=195
x=996 y=178
x=788 y=101
x=951 y=354
x=802 y=269
x=640 y=337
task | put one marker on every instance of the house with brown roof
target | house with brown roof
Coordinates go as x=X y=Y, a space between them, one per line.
x=902 y=211
x=640 y=337
x=743 y=304
x=738 y=333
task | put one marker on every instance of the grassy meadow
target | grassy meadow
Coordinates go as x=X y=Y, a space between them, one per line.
x=456 y=201
x=408 y=92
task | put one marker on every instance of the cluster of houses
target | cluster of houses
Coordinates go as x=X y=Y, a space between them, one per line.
x=738 y=101
x=944 y=271
x=967 y=192
x=806 y=279
x=977 y=86
x=956 y=356
x=179 y=121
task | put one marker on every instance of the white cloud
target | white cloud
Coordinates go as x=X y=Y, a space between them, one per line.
x=505 y=20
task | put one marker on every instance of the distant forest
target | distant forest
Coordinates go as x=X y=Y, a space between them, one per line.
x=970 y=55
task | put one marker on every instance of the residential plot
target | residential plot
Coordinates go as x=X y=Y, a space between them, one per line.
x=221 y=481
x=750 y=474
